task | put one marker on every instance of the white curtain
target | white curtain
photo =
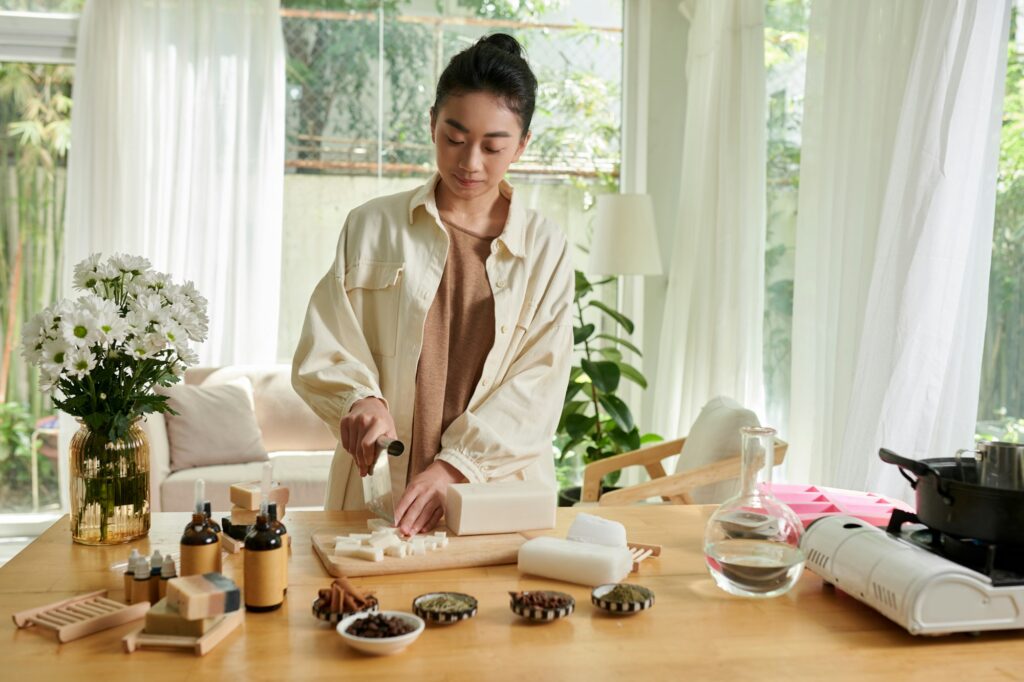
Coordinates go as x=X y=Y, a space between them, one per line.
x=178 y=154
x=897 y=192
x=711 y=336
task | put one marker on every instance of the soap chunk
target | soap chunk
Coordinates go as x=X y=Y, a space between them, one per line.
x=590 y=528
x=203 y=596
x=500 y=507
x=379 y=524
x=246 y=517
x=161 y=619
x=583 y=563
x=248 y=496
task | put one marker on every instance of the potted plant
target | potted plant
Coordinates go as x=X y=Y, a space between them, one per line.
x=100 y=357
x=595 y=422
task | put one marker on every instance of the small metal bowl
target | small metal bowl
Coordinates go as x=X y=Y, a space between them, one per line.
x=621 y=608
x=543 y=615
x=337 y=616
x=444 y=617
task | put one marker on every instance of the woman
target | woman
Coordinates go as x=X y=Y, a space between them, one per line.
x=445 y=321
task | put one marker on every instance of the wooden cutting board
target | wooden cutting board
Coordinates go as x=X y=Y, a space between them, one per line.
x=461 y=552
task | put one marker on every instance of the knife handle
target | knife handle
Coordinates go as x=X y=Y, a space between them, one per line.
x=393 y=447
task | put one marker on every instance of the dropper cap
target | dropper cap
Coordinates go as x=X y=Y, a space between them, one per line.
x=200 y=493
x=168 y=569
x=157 y=560
x=132 y=559
x=268 y=473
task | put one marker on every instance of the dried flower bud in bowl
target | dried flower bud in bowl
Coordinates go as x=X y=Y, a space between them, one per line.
x=542 y=606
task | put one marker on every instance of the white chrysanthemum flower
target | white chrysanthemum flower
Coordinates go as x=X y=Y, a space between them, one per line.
x=172 y=333
x=187 y=356
x=54 y=353
x=79 y=362
x=108 y=271
x=48 y=381
x=79 y=328
x=146 y=310
x=87 y=275
x=33 y=335
x=145 y=346
x=176 y=369
x=111 y=327
x=157 y=281
x=129 y=264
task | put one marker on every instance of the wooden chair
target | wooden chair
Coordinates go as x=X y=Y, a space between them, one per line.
x=673 y=488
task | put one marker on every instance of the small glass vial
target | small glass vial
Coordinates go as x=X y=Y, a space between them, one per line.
x=752 y=542
x=200 y=548
x=264 y=568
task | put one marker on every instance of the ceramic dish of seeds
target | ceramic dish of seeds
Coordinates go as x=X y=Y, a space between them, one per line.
x=381 y=643
x=622 y=599
x=542 y=606
x=444 y=608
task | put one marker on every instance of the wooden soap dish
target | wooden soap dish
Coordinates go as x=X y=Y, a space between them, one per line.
x=82 y=615
x=200 y=645
x=641 y=552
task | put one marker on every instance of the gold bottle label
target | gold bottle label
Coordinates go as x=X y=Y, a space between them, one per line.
x=200 y=559
x=265 y=579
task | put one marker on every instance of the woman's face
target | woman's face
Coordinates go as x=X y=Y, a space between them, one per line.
x=476 y=138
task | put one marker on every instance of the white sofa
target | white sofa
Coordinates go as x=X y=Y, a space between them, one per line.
x=299 y=444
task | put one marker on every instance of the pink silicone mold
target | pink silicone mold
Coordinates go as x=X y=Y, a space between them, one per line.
x=812 y=502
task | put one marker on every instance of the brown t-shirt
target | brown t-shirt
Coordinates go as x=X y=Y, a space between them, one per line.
x=457 y=336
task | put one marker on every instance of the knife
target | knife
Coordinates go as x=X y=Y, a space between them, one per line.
x=377 y=484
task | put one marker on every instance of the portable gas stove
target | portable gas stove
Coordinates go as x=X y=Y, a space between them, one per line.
x=928 y=582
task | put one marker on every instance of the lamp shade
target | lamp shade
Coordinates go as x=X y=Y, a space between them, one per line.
x=624 y=240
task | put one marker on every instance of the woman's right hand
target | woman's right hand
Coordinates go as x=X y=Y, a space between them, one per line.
x=366 y=421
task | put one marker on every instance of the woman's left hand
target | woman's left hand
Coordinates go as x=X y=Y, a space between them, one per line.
x=422 y=504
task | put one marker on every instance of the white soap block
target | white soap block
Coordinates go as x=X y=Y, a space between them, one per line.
x=583 y=563
x=432 y=544
x=378 y=524
x=590 y=528
x=348 y=550
x=384 y=540
x=419 y=547
x=500 y=507
x=345 y=543
x=361 y=537
x=440 y=534
x=370 y=553
x=398 y=551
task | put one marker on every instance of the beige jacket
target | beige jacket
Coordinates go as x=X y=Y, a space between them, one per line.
x=364 y=331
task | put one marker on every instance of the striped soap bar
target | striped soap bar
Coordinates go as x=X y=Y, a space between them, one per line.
x=203 y=596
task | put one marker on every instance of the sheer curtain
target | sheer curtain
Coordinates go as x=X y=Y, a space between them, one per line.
x=897 y=192
x=711 y=336
x=178 y=154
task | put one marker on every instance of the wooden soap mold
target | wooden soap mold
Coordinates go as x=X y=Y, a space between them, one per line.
x=200 y=645
x=82 y=615
x=641 y=552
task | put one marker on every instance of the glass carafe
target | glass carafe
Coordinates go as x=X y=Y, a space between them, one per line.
x=752 y=542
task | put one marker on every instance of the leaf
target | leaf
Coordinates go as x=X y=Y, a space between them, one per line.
x=626 y=440
x=581 y=334
x=620 y=341
x=578 y=425
x=613 y=354
x=650 y=438
x=626 y=323
x=605 y=375
x=582 y=286
x=572 y=389
x=618 y=410
x=633 y=374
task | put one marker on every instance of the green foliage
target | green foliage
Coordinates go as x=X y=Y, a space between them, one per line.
x=595 y=422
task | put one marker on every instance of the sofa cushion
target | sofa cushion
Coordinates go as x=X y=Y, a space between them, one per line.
x=213 y=425
x=286 y=422
x=714 y=436
x=305 y=473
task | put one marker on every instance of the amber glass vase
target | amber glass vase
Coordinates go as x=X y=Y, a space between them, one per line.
x=109 y=487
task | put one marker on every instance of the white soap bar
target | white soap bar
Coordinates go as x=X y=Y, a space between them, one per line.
x=360 y=536
x=345 y=543
x=583 y=563
x=398 y=551
x=369 y=553
x=419 y=547
x=500 y=507
x=384 y=540
x=590 y=528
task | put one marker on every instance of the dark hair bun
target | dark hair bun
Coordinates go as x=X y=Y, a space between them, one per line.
x=505 y=43
x=496 y=64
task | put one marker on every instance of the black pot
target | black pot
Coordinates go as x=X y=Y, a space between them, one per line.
x=570 y=496
x=950 y=500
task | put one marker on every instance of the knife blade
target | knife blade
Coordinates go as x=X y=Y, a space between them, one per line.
x=377 y=484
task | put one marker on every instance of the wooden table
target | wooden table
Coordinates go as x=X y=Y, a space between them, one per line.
x=694 y=631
